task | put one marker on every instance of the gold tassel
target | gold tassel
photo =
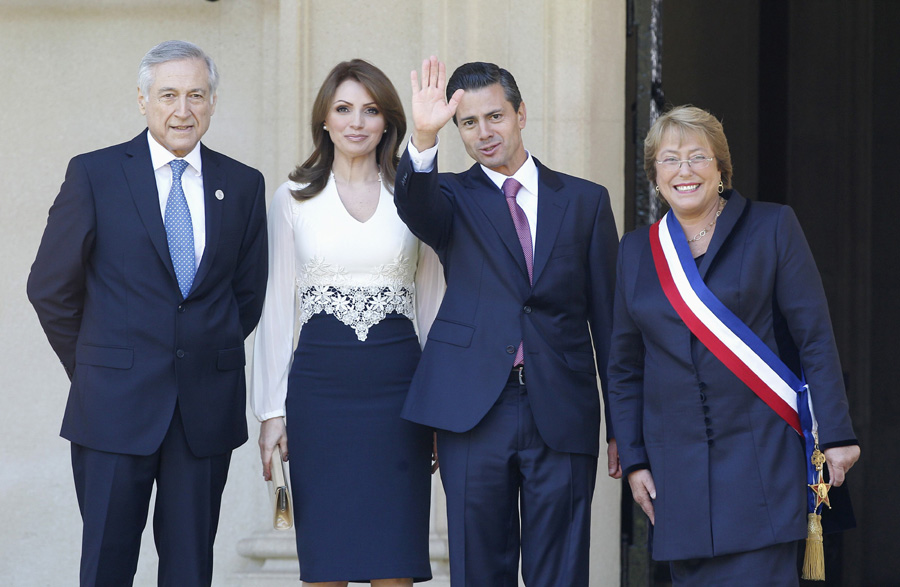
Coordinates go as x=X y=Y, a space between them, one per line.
x=814 y=559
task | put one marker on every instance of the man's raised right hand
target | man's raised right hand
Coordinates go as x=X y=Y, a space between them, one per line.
x=430 y=108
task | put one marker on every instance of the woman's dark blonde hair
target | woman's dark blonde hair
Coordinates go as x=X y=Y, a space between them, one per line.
x=315 y=171
x=688 y=120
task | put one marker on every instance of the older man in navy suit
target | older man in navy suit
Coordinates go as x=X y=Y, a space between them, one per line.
x=509 y=374
x=150 y=274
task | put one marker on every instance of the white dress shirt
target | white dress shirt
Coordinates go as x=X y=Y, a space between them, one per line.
x=191 y=183
x=527 y=175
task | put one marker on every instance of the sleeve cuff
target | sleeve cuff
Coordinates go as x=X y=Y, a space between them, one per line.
x=423 y=162
x=633 y=468
x=270 y=415
x=837 y=443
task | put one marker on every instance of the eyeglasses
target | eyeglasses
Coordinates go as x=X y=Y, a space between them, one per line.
x=695 y=162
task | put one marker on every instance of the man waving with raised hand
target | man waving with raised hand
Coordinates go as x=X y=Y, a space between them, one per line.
x=509 y=374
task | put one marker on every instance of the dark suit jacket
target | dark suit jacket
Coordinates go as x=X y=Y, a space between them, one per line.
x=489 y=305
x=105 y=291
x=730 y=474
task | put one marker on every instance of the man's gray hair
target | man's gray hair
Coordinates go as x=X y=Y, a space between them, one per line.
x=174 y=51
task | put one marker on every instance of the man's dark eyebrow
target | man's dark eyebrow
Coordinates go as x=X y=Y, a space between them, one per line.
x=491 y=113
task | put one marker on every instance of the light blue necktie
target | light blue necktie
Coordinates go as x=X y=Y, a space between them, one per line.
x=180 y=230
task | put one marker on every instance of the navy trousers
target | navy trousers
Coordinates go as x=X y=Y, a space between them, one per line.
x=502 y=469
x=114 y=496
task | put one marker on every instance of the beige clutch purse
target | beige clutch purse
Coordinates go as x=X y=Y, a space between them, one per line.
x=284 y=514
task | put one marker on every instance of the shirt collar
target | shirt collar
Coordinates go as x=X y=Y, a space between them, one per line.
x=160 y=156
x=527 y=175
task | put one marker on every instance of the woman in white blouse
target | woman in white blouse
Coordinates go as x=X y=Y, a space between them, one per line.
x=347 y=274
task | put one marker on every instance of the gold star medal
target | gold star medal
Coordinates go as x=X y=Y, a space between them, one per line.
x=820 y=488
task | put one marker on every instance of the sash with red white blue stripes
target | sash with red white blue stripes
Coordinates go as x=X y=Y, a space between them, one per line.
x=726 y=336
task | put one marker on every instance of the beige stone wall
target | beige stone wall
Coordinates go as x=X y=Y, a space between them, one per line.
x=68 y=70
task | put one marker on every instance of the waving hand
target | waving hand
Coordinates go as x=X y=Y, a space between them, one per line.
x=430 y=109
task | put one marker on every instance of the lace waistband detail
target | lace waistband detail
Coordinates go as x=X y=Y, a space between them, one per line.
x=359 y=307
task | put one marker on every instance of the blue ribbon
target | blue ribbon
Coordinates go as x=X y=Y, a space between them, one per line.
x=810 y=444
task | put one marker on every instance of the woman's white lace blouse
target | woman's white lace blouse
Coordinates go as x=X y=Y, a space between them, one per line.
x=322 y=259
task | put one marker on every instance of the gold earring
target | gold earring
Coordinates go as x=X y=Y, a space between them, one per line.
x=657 y=189
x=721 y=187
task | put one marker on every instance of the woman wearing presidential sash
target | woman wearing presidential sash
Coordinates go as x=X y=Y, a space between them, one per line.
x=725 y=382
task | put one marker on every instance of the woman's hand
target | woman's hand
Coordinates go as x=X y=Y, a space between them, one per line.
x=272 y=432
x=644 y=491
x=613 y=466
x=840 y=459
x=430 y=108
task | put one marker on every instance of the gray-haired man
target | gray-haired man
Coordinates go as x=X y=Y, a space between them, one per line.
x=150 y=274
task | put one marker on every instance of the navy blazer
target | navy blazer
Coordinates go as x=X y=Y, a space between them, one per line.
x=105 y=292
x=489 y=305
x=730 y=474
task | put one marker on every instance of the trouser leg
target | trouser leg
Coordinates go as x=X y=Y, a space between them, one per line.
x=556 y=493
x=113 y=495
x=186 y=516
x=480 y=478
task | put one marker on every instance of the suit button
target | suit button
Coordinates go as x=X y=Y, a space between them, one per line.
x=702 y=397
x=710 y=442
x=181 y=308
x=701 y=385
x=511 y=350
x=527 y=309
x=179 y=353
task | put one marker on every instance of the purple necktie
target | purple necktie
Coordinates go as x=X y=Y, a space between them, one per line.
x=510 y=189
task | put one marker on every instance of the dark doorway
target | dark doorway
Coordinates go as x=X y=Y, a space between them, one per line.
x=806 y=91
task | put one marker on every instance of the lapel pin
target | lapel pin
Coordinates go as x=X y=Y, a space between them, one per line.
x=220 y=195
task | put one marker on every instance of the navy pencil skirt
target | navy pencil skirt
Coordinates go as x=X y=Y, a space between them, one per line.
x=360 y=475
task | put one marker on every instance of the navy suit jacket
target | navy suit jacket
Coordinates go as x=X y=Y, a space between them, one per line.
x=105 y=292
x=489 y=306
x=730 y=474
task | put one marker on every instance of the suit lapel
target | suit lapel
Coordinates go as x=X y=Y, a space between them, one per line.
x=552 y=204
x=492 y=202
x=731 y=213
x=141 y=179
x=213 y=183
